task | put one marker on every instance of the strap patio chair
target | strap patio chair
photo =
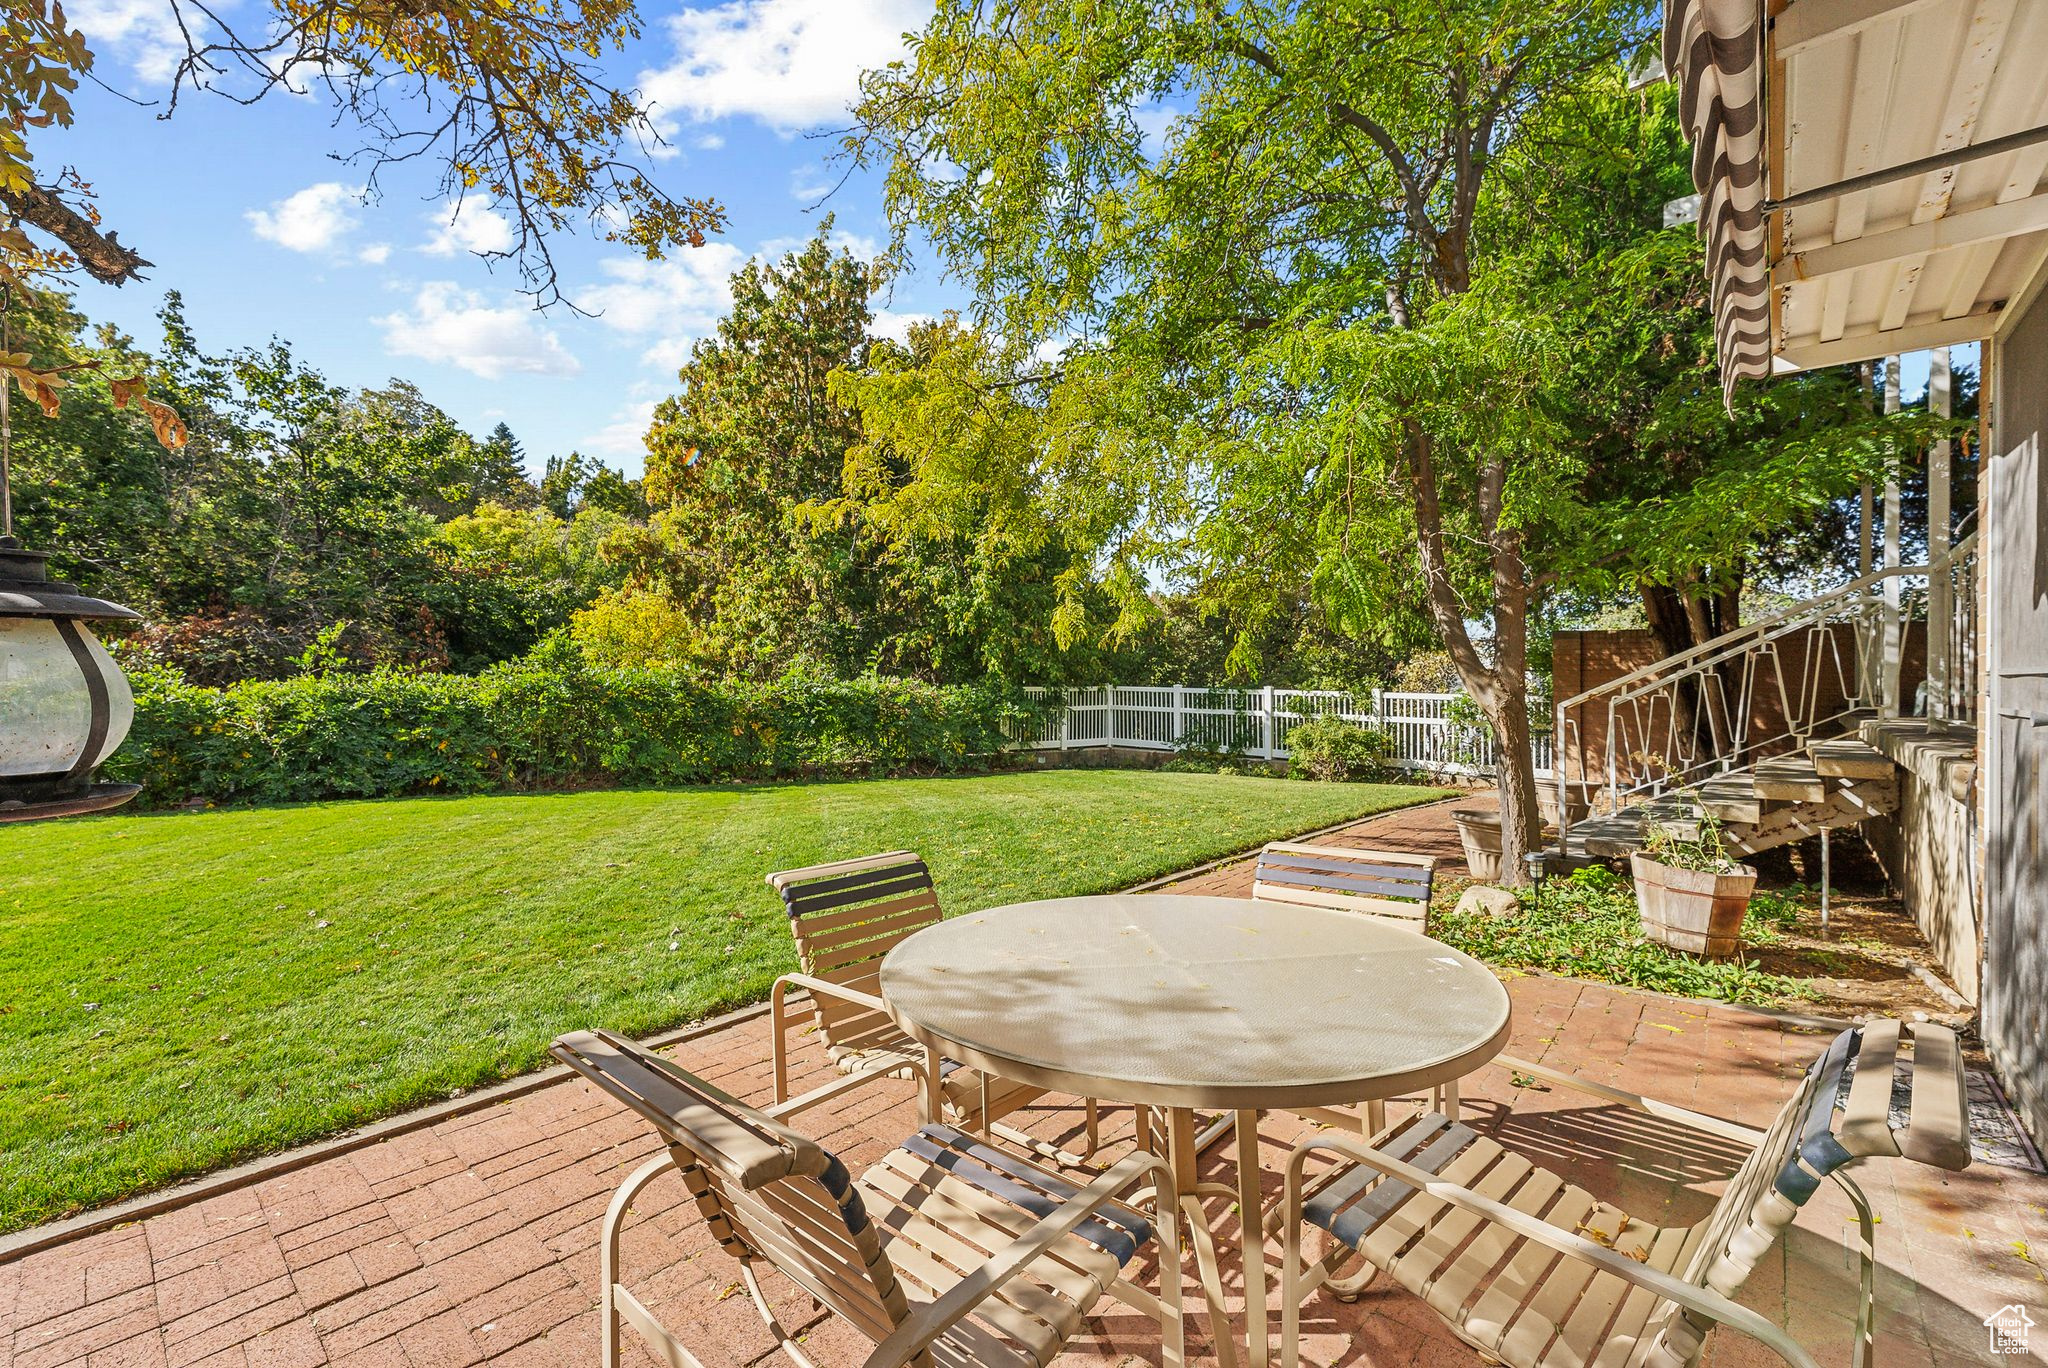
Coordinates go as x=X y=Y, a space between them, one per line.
x=1389 y=886
x=845 y=917
x=1532 y=1270
x=947 y=1253
x=1383 y=884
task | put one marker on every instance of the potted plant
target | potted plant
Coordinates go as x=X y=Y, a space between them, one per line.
x=1691 y=893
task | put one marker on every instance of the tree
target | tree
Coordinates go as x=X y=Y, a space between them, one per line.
x=500 y=475
x=297 y=511
x=1317 y=202
x=1319 y=332
x=508 y=98
x=753 y=433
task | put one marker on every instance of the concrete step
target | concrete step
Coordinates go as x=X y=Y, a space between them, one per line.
x=1791 y=779
x=1615 y=835
x=1847 y=758
x=1730 y=797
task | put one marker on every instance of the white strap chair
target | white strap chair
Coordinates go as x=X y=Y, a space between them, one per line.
x=845 y=916
x=947 y=1253
x=1533 y=1271
x=1388 y=886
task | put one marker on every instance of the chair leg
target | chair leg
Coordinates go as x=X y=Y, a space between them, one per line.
x=783 y=1339
x=1094 y=1129
x=608 y=1254
x=1866 y=1309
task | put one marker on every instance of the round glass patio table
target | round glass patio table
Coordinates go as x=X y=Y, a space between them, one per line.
x=1185 y=1002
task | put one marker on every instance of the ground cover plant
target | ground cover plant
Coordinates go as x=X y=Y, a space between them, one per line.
x=1587 y=926
x=185 y=990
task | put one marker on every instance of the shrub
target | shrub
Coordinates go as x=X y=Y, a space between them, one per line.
x=1330 y=748
x=551 y=719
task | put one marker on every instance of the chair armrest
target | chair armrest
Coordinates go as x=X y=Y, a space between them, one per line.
x=778 y=1022
x=831 y=989
x=1699 y=1121
x=1701 y=1300
x=928 y=1322
x=845 y=1083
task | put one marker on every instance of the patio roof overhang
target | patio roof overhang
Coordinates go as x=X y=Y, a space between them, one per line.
x=1870 y=171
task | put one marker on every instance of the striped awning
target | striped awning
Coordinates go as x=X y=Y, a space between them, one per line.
x=1713 y=49
x=1888 y=194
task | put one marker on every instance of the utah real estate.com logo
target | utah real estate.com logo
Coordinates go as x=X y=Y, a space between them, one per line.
x=2008 y=1326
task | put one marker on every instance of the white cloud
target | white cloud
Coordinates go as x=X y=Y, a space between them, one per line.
x=473 y=227
x=709 y=142
x=144 y=32
x=625 y=437
x=1155 y=121
x=314 y=219
x=460 y=327
x=809 y=184
x=863 y=246
x=681 y=296
x=376 y=254
x=792 y=64
x=896 y=326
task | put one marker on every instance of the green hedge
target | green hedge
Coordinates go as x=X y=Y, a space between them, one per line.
x=551 y=720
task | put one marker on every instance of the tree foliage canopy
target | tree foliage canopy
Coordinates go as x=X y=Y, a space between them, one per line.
x=509 y=99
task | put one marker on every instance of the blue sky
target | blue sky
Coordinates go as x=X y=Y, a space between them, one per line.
x=247 y=213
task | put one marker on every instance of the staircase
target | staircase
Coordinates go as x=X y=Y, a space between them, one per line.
x=1836 y=782
x=1767 y=728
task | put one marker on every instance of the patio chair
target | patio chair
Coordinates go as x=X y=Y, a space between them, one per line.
x=1382 y=884
x=948 y=1252
x=1530 y=1270
x=845 y=917
x=1388 y=886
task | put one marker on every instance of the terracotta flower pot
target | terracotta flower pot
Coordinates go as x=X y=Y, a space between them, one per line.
x=1692 y=911
x=1479 y=833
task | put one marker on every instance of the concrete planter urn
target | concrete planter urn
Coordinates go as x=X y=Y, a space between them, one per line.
x=1578 y=799
x=1479 y=833
x=1690 y=909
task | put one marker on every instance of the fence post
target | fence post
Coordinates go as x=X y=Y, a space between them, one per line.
x=1066 y=718
x=1180 y=707
x=1269 y=725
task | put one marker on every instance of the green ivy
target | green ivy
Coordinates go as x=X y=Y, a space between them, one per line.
x=549 y=720
x=1586 y=926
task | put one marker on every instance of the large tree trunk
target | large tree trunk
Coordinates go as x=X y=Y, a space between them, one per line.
x=1521 y=825
x=1499 y=687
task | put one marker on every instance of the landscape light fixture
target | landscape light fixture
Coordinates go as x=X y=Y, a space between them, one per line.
x=64 y=704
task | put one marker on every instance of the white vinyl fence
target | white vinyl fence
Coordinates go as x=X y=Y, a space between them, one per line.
x=1256 y=721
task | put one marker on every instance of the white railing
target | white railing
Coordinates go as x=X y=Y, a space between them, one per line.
x=1952 y=637
x=1768 y=688
x=1426 y=734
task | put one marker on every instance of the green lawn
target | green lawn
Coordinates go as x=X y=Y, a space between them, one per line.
x=181 y=991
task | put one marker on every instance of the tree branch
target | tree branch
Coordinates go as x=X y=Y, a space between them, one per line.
x=101 y=254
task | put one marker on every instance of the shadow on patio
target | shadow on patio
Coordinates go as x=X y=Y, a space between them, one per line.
x=474 y=1240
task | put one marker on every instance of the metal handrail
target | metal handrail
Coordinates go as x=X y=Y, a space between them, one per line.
x=1853 y=587
x=1854 y=601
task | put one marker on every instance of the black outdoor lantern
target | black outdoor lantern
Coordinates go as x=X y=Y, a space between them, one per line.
x=64 y=704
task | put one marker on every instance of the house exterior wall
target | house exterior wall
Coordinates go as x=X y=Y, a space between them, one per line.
x=2015 y=550
x=1928 y=847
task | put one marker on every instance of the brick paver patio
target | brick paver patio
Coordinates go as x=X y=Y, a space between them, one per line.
x=474 y=1239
